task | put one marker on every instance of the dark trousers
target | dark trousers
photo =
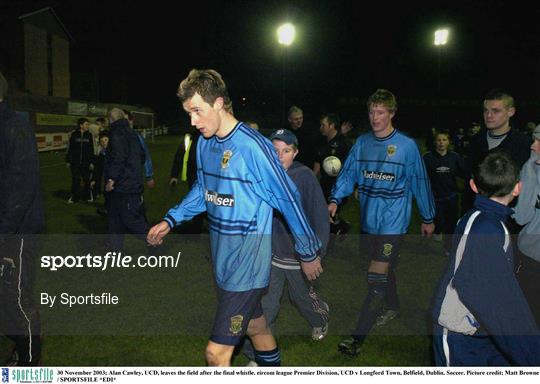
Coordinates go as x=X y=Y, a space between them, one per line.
x=78 y=172
x=126 y=214
x=446 y=211
x=529 y=280
x=302 y=294
x=97 y=177
x=19 y=316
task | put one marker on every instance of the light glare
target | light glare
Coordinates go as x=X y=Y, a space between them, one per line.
x=286 y=34
x=441 y=36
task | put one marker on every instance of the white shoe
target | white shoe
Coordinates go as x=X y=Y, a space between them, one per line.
x=319 y=333
x=387 y=316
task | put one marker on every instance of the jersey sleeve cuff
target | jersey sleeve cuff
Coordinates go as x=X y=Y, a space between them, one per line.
x=427 y=221
x=333 y=200
x=307 y=258
x=170 y=220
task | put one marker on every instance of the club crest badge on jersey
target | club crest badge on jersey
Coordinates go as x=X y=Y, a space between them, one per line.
x=387 y=249
x=391 y=150
x=225 y=159
x=236 y=324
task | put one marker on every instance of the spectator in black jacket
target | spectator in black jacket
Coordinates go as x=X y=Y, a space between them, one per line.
x=80 y=157
x=124 y=179
x=499 y=136
x=21 y=214
x=307 y=139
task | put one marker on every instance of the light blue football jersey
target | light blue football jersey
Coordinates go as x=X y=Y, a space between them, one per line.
x=239 y=182
x=388 y=172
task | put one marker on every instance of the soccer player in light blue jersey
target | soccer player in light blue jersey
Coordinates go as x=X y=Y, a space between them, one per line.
x=387 y=167
x=239 y=182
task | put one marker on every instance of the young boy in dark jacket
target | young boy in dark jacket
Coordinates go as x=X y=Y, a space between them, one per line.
x=285 y=263
x=80 y=158
x=481 y=316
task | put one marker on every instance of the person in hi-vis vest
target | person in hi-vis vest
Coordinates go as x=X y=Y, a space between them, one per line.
x=184 y=167
x=185 y=163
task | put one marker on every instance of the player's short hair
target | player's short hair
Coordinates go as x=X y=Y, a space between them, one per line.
x=116 y=114
x=294 y=109
x=3 y=86
x=384 y=97
x=208 y=83
x=332 y=118
x=499 y=94
x=81 y=121
x=496 y=175
x=441 y=132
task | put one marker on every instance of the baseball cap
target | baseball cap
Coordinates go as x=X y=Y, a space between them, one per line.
x=284 y=135
x=536 y=132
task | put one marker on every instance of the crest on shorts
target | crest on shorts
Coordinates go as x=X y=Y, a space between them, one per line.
x=236 y=324
x=391 y=150
x=225 y=159
x=387 y=249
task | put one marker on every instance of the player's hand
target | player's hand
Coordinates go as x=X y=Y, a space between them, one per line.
x=427 y=229
x=157 y=233
x=91 y=167
x=312 y=269
x=110 y=185
x=150 y=183
x=332 y=209
x=173 y=181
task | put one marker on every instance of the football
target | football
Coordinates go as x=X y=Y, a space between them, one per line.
x=332 y=166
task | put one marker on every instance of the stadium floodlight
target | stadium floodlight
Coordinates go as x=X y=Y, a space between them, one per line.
x=441 y=36
x=286 y=33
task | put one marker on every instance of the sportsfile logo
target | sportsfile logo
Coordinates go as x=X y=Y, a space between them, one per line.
x=221 y=200
x=29 y=375
x=379 y=175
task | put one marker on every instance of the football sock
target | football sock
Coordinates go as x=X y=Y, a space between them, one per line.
x=372 y=306
x=268 y=358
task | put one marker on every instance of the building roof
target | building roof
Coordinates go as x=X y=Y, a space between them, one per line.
x=47 y=19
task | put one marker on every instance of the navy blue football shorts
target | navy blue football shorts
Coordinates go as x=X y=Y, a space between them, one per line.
x=234 y=311
x=383 y=248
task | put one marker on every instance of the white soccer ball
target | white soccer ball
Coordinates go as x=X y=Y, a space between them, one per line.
x=332 y=166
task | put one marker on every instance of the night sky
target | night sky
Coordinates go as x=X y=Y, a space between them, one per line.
x=344 y=49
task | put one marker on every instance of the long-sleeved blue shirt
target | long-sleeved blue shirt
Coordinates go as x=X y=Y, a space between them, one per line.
x=240 y=180
x=148 y=166
x=389 y=171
